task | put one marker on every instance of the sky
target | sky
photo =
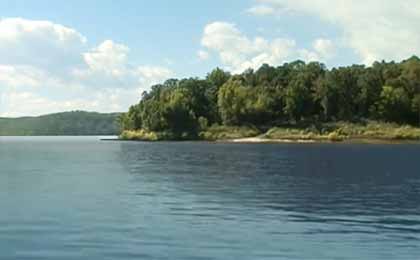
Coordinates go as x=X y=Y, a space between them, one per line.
x=101 y=55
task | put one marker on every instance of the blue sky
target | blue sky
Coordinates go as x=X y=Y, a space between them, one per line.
x=100 y=55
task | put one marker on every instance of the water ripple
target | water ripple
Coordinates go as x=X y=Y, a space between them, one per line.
x=138 y=200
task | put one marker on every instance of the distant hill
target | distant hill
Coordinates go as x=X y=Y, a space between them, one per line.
x=67 y=123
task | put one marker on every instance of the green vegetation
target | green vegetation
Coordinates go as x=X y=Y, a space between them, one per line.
x=296 y=100
x=68 y=123
x=216 y=132
x=287 y=133
x=212 y=133
x=346 y=131
x=145 y=135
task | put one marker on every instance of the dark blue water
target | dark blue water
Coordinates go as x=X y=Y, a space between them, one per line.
x=79 y=198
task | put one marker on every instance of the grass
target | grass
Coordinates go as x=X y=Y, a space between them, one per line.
x=282 y=133
x=139 y=135
x=150 y=136
x=213 y=133
x=217 y=132
x=342 y=131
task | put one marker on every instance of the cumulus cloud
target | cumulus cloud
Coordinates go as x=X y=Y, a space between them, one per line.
x=261 y=10
x=107 y=57
x=150 y=75
x=325 y=48
x=47 y=67
x=108 y=66
x=239 y=52
x=21 y=76
x=322 y=50
x=374 y=29
x=39 y=43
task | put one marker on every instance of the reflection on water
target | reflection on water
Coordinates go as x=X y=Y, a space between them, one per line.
x=129 y=200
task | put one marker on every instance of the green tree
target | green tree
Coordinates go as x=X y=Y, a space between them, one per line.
x=218 y=77
x=288 y=93
x=178 y=112
x=416 y=106
x=394 y=105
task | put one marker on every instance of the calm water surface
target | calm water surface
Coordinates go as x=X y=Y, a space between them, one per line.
x=79 y=198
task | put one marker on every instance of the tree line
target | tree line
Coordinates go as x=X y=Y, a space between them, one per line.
x=290 y=94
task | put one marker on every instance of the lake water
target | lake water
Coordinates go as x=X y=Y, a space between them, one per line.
x=79 y=198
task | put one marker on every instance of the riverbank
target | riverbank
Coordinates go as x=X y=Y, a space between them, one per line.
x=259 y=140
x=371 y=132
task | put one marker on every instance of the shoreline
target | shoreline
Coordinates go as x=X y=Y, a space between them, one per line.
x=340 y=132
x=261 y=140
x=258 y=140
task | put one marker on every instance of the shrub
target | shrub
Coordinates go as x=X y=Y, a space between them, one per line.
x=217 y=132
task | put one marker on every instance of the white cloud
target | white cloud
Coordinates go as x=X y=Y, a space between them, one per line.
x=374 y=29
x=39 y=43
x=203 y=55
x=19 y=103
x=238 y=52
x=108 y=57
x=20 y=76
x=108 y=67
x=150 y=75
x=16 y=103
x=322 y=50
x=261 y=10
x=308 y=55
x=47 y=67
x=324 y=47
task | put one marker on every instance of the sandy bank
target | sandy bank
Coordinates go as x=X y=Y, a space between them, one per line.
x=266 y=140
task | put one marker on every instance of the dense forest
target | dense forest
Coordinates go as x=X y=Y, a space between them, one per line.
x=292 y=94
x=68 y=123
